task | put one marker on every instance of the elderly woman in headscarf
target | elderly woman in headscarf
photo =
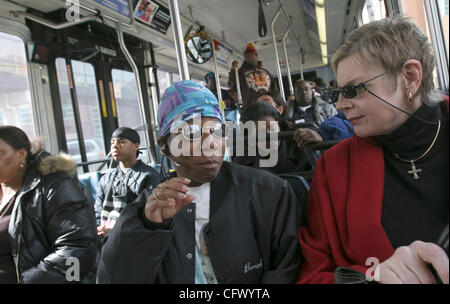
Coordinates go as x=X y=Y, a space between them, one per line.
x=379 y=201
x=210 y=221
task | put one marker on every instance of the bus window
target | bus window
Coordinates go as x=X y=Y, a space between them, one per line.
x=15 y=97
x=163 y=81
x=417 y=10
x=84 y=79
x=176 y=78
x=443 y=8
x=373 y=10
x=127 y=104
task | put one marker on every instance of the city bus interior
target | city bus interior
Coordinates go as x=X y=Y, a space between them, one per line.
x=72 y=71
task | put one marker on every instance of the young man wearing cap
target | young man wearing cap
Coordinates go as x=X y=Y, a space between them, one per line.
x=211 y=221
x=121 y=186
x=253 y=79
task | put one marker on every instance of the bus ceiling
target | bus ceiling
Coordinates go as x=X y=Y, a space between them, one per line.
x=234 y=23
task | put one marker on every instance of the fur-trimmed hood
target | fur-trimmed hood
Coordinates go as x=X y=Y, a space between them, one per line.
x=57 y=163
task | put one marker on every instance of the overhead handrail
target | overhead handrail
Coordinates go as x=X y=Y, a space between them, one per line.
x=280 y=80
x=178 y=39
x=262 y=27
x=216 y=73
x=300 y=45
x=291 y=87
x=291 y=27
x=238 y=85
x=300 y=59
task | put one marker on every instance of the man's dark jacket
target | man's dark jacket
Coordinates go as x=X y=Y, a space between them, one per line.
x=251 y=236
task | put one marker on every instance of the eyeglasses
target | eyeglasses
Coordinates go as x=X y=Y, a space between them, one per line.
x=195 y=132
x=351 y=91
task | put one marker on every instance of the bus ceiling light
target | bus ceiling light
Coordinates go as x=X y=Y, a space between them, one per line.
x=322 y=28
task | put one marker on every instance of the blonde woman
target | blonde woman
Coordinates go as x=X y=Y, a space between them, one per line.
x=381 y=198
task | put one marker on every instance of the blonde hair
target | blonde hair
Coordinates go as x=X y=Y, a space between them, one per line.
x=389 y=43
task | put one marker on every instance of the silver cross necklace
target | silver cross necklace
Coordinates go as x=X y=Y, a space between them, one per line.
x=414 y=170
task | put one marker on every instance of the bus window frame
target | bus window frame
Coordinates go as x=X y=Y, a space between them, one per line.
x=40 y=104
x=438 y=41
x=434 y=22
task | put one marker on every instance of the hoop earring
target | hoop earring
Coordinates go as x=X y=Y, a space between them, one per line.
x=410 y=96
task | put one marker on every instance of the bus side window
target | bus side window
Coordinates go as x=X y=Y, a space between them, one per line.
x=15 y=96
x=88 y=104
x=127 y=104
x=419 y=12
x=164 y=81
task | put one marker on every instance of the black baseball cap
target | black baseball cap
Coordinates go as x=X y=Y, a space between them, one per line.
x=127 y=133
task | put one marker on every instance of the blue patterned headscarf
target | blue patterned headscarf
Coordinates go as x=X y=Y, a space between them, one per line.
x=184 y=101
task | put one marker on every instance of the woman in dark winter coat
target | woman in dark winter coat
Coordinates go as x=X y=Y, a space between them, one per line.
x=47 y=228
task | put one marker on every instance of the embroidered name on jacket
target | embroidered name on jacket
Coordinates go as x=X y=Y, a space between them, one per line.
x=248 y=267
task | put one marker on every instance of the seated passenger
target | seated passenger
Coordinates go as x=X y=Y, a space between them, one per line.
x=46 y=223
x=381 y=198
x=307 y=107
x=274 y=99
x=121 y=186
x=334 y=128
x=289 y=156
x=210 y=221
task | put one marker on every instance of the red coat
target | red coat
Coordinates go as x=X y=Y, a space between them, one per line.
x=344 y=211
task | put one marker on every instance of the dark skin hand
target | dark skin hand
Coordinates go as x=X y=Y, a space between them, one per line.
x=167 y=199
x=306 y=136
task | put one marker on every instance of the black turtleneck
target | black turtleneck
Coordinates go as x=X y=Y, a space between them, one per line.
x=416 y=209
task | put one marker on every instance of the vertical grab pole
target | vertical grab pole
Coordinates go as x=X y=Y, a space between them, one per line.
x=280 y=79
x=301 y=63
x=238 y=85
x=178 y=39
x=216 y=73
x=291 y=88
x=134 y=67
x=154 y=101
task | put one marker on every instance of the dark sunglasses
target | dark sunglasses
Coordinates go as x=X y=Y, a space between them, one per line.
x=195 y=132
x=351 y=91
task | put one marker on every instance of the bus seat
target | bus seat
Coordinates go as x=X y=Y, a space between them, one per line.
x=301 y=188
x=89 y=183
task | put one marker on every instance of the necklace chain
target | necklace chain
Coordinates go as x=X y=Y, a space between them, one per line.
x=426 y=152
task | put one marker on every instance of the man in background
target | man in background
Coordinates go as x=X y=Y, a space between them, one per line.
x=121 y=186
x=253 y=80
